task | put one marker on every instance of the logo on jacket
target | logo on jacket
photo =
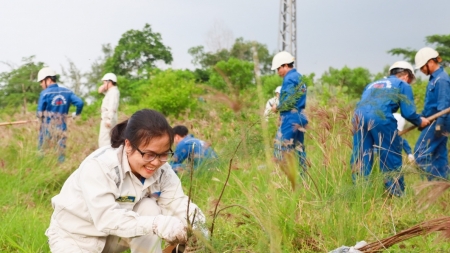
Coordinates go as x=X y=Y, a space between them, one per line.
x=130 y=199
x=59 y=100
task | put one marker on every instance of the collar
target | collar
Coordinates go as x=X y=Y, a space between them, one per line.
x=437 y=72
x=292 y=70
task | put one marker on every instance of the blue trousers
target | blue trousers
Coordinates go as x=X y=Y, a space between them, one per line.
x=371 y=131
x=290 y=136
x=431 y=153
x=51 y=137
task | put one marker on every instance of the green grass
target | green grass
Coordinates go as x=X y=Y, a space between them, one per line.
x=259 y=210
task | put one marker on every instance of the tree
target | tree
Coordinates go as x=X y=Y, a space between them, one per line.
x=207 y=59
x=137 y=52
x=440 y=42
x=171 y=92
x=354 y=80
x=98 y=67
x=19 y=86
x=238 y=72
x=241 y=50
x=74 y=75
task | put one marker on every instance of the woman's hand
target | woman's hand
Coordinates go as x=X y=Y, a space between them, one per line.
x=169 y=228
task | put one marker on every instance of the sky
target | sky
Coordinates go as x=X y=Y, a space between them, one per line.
x=330 y=33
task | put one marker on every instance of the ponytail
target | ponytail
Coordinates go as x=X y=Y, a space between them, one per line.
x=117 y=134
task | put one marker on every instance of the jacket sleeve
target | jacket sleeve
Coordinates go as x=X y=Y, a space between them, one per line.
x=407 y=106
x=174 y=202
x=77 y=102
x=98 y=187
x=111 y=105
x=42 y=104
x=443 y=102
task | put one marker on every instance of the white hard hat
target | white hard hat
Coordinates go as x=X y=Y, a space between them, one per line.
x=282 y=58
x=424 y=55
x=44 y=72
x=400 y=121
x=278 y=89
x=109 y=76
x=402 y=65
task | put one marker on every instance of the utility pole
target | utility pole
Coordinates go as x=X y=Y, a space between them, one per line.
x=287 y=35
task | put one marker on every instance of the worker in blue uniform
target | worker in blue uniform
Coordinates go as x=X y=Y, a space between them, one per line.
x=53 y=107
x=192 y=150
x=374 y=125
x=431 y=147
x=290 y=135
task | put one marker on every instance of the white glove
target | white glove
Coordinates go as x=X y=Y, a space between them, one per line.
x=74 y=115
x=411 y=158
x=353 y=249
x=170 y=229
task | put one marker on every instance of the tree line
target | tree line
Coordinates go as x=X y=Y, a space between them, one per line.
x=227 y=72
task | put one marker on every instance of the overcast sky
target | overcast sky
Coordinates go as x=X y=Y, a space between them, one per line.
x=330 y=32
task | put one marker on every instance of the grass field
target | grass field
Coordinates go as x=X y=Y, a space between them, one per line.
x=261 y=210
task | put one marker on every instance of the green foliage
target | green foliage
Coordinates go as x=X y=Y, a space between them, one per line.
x=407 y=53
x=19 y=86
x=440 y=42
x=170 y=92
x=270 y=83
x=241 y=50
x=204 y=59
x=352 y=80
x=138 y=51
x=202 y=75
x=419 y=88
x=442 y=45
x=239 y=73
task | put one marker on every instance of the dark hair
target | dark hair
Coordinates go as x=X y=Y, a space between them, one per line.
x=142 y=127
x=399 y=72
x=53 y=78
x=180 y=130
x=290 y=65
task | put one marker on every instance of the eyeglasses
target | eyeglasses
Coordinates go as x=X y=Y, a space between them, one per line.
x=150 y=156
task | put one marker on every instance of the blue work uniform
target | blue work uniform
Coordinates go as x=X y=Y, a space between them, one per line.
x=53 y=107
x=374 y=125
x=290 y=135
x=405 y=145
x=431 y=147
x=195 y=151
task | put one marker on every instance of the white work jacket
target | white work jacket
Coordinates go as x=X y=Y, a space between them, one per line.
x=98 y=198
x=110 y=104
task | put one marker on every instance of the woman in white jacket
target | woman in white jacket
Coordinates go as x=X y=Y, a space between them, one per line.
x=110 y=105
x=124 y=196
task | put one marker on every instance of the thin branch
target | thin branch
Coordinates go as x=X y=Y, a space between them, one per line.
x=223 y=189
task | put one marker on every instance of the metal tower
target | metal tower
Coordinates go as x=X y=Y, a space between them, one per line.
x=287 y=35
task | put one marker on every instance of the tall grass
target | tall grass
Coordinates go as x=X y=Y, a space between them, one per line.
x=259 y=210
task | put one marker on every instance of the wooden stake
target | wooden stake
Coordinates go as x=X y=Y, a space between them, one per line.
x=17 y=122
x=431 y=118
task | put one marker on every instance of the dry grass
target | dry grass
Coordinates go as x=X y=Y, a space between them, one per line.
x=421 y=229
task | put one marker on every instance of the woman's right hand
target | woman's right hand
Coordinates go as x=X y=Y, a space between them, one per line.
x=101 y=89
x=169 y=228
